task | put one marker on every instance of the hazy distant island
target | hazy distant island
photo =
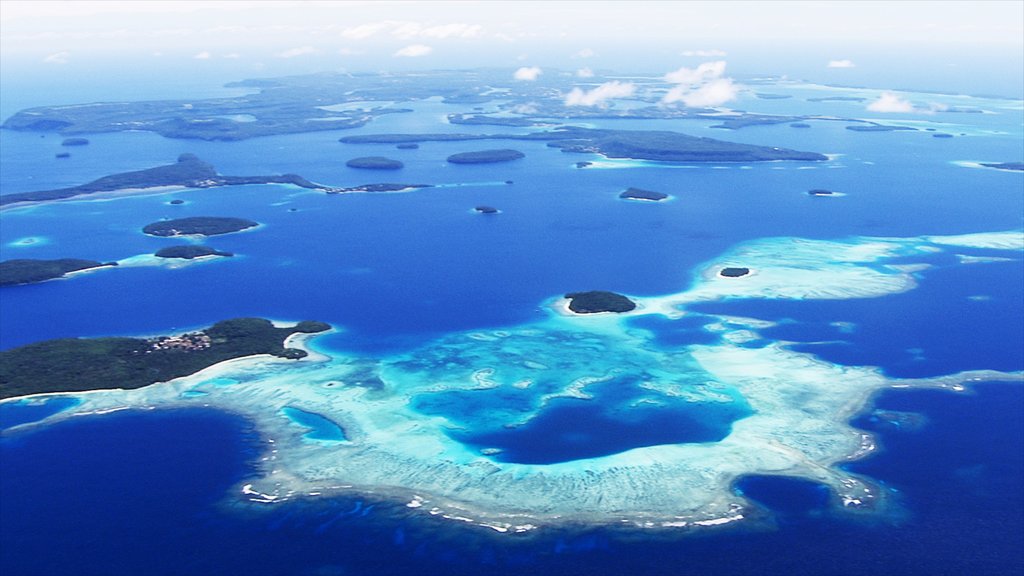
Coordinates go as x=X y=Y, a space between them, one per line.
x=75 y=142
x=820 y=192
x=635 y=144
x=198 y=225
x=486 y=156
x=189 y=172
x=407 y=146
x=837 y=99
x=941 y=135
x=63 y=155
x=374 y=163
x=799 y=125
x=766 y=96
x=30 y=271
x=1015 y=166
x=641 y=194
x=879 y=128
x=596 y=301
x=189 y=252
x=77 y=365
x=486 y=209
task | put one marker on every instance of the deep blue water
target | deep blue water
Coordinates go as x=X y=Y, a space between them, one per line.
x=155 y=492
x=134 y=492
x=25 y=411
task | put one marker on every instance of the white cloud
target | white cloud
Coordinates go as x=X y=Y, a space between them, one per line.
x=457 y=30
x=585 y=53
x=408 y=30
x=364 y=30
x=57 y=58
x=233 y=56
x=704 y=72
x=841 y=64
x=585 y=73
x=599 y=95
x=348 y=52
x=713 y=93
x=293 y=52
x=890 y=102
x=414 y=50
x=530 y=108
x=527 y=73
x=704 y=53
x=204 y=55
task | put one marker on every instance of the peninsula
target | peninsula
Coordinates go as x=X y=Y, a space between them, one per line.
x=188 y=172
x=1015 y=166
x=198 y=226
x=76 y=365
x=30 y=271
x=596 y=301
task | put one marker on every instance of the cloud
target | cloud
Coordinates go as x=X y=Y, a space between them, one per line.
x=204 y=55
x=713 y=93
x=57 y=58
x=527 y=73
x=599 y=95
x=704 y=72
x=585 y=53
x=232 y=56
x=890 y=102
x=704 y=53
x=457 y=30
x=293 y=52
x=363 y=30
x=408 y=30
x=585 y=73
x=841 y=64
x=414 y=50
x=347 y=52
x=529 y=108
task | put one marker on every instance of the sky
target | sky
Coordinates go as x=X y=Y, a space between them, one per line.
x=960 y=44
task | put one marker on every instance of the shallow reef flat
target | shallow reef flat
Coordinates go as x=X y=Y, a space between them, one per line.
x=436 y=427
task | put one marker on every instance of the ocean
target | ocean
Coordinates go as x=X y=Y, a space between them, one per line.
x=153 y=491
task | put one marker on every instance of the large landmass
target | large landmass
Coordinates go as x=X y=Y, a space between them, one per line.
x=30 y=271
x=636 y=144
x=189 y=172
x=80 y=364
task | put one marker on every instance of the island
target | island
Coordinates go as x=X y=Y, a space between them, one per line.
x=176 y=202
x=820 y=192
x=486 y=156
x=486 y=209
x=596 y=301
x=407 y=146
x=63 y=155
x=80 y=364
x=188 y=172
x=189 y=252
x=198 y=226
x=941 y=135
x=837 y=99
x=734 y=272
x=75 y=142
x=30 y=271
x=656 y=145
x=374 y=163
x=1015 y=166
x=643 y=195
x=767 y=96
x=379 y=187
x=879 y=128
x=584 y=164
x=799 y=125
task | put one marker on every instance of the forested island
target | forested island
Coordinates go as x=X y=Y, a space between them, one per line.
x=486 y=156
x=641 y=194
x=189 y=172
x=81 y=364
x=879 y=128
x=636 y=144
x=596 y=301
x=198 y=225
x=189 y=252
x=30 y=271
x=374 y=163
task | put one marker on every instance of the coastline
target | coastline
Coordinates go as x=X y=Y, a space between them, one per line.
x=99 y=196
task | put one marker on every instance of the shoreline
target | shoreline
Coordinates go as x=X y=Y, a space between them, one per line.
x=99 y=196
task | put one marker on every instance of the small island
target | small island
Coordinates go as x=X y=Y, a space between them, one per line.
x=30 y=271
x=879 y=128
x=486 y=209
x=379 y=187
x=820 y=192
x=374 y=163
x=176 y=202
x=75 y=142
x=941 y=135
x=198 y=226
x=63 y=155
x=643 y=195
x=1015 y=166
x=189 y=252
x=486 y=156
x=408 y=146
x=596 y=301
x=584 y=164
x=734 y=272
x=799 y=125
x=81 y=364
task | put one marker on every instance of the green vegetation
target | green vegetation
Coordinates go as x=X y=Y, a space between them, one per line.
x=374 y=163
x=486 y=156
x=598 y=301
x=28 y=271
x=200 y=225
x=189 y=171
x=76 y=365
x=641 y=194
x=734 y=272
x=189 y=251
